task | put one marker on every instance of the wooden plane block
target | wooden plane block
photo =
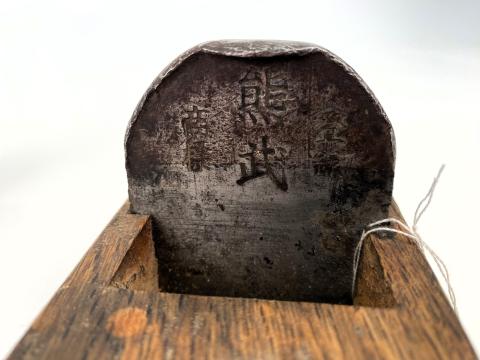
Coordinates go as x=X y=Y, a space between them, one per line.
x=111 y=307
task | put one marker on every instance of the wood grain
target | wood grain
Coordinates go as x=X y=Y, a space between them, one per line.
x=400 y=312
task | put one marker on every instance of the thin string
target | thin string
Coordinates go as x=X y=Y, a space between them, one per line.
x=411 y=233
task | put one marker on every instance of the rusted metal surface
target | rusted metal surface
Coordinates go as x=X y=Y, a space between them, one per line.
x=260 y=163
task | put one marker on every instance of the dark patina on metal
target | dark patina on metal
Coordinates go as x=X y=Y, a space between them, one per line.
x=260 y=163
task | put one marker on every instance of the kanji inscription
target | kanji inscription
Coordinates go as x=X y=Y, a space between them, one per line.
x=262 y=167
x=265 y=98
x=194 y=124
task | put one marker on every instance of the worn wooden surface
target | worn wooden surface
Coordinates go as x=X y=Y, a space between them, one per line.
x=110 y=307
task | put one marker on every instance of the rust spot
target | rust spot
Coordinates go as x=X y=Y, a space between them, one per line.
x=127 y=322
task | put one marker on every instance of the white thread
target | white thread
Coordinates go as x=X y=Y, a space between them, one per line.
x=411 y=233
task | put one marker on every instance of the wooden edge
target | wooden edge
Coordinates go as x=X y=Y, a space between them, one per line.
x=412 y=319
x=138 y=270
x=112 y=244
x=385 y=280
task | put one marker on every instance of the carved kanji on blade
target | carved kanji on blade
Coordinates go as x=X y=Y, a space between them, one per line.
x=262 y=167
x=265 y=98
x=251 y=85
x=194 y=123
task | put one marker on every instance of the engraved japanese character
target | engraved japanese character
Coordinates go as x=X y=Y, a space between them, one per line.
x=194 y=123
x=251 y=86
x=276 y=93
x=262 y=167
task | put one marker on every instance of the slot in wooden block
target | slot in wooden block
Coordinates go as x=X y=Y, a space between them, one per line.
x=111 y=307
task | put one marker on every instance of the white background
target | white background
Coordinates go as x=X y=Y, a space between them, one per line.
x=71 y=74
